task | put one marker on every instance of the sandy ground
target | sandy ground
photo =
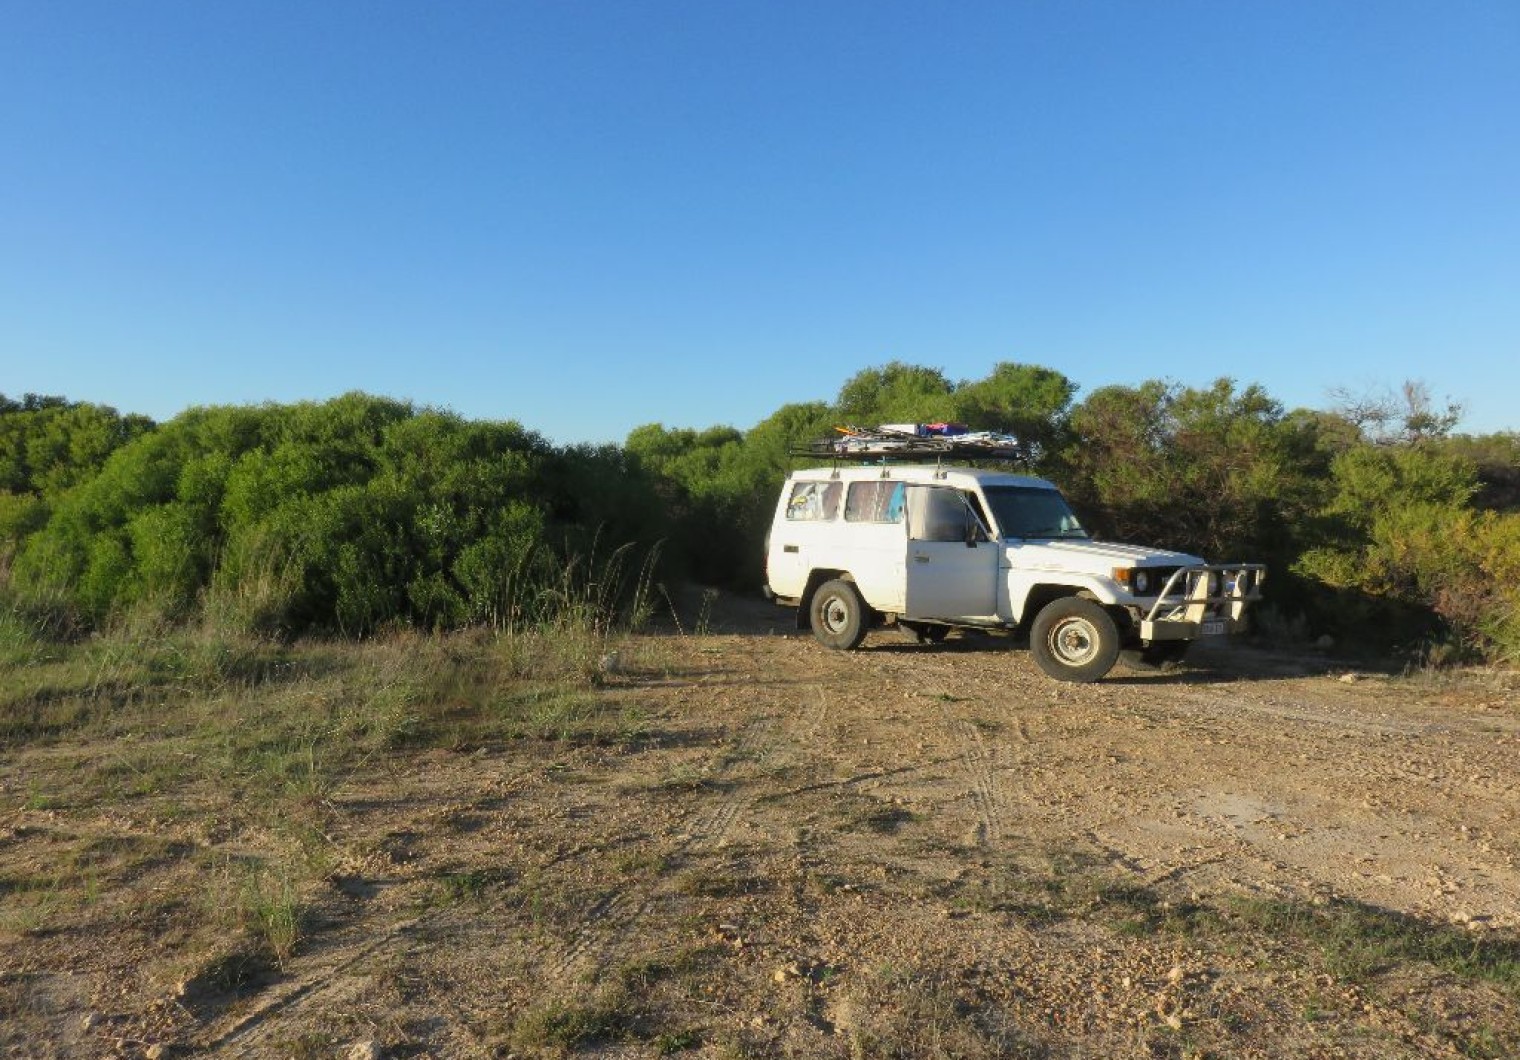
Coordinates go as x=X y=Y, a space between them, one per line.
x=900 y=851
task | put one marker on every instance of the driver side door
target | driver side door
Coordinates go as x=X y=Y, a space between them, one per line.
x=952 y=563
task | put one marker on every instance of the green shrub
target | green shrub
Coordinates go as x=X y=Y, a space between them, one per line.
x=362 y=513
x=48 y=444
x=350 y=515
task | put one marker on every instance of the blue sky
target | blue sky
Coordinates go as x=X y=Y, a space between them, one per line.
x=587 y=216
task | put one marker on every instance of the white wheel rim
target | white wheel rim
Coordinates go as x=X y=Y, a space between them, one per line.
x=835 y=615
x=1074 y=641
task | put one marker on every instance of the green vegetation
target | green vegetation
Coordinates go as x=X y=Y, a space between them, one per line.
x=349 y=516
x=363 y=514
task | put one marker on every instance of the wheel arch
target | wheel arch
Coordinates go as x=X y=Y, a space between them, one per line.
x=1039 y=596
x=1042 y=594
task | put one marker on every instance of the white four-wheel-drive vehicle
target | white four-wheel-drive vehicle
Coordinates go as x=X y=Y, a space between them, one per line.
x=931 y=548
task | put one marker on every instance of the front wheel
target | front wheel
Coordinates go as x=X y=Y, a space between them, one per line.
x=1073 y=639
x=838 y=615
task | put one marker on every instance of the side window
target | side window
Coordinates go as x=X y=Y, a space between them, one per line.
x=874 y=502
x=813 y=501
x=937 y=513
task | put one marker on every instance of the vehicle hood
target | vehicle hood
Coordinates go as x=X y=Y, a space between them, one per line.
x=1090 y=557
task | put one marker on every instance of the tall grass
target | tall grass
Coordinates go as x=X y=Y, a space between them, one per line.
x=150 y=715
x=291 y=713
x=254 y=586
x=32 y=621
x=591 y=594
x=271 y=905
x=254 y=590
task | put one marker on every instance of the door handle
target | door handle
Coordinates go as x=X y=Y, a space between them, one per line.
x=919 y=557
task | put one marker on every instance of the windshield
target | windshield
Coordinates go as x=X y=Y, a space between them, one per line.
x=1030 y=511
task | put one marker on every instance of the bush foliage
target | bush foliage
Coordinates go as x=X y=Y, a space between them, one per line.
x=347 y=515
x=362 y=512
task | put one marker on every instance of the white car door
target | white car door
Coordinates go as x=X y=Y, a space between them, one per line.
x=952 y=566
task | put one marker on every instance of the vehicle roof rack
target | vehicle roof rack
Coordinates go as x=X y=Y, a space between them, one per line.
x=915 y=442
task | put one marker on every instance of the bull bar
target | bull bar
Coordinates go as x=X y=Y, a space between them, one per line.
x=1189 y=607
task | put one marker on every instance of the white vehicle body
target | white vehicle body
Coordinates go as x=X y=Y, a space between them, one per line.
x=932 y=547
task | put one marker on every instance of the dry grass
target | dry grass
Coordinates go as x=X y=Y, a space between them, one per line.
x=238 y=747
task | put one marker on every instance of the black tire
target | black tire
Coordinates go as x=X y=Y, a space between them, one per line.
x=1073 y=639
x=837 y=615
x=1162 y=655
x=926 y=632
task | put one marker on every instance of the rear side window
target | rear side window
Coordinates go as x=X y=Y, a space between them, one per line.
x=813 y=501
x=874 y=502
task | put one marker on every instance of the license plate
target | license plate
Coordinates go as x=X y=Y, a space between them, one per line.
x=1212 y=627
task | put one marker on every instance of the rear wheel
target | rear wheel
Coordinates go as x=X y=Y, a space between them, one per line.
x=1074 y=639
x=838 y=615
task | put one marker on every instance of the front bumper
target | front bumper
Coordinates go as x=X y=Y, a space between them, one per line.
x=1203 y=600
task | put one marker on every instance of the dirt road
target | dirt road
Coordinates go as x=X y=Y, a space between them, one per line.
x=918 y=851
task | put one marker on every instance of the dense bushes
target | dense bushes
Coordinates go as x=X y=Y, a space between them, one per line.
x=348 y=515
x=1216 y=472
x=47 y=445
x=1400 y=532
x=362 y=512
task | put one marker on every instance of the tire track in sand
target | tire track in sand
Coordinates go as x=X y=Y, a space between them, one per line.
x=981 y=761
x=331 y=984
x=602 y=935
x=335 y=984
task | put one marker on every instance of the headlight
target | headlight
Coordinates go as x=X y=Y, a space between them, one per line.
x=1142 y=581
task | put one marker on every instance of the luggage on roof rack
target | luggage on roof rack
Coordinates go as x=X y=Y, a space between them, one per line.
x=916 y=441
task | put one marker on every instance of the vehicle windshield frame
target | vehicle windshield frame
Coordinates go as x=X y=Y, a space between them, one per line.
x=1052 y=521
